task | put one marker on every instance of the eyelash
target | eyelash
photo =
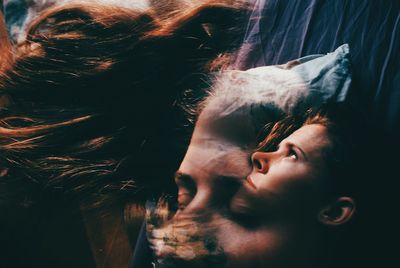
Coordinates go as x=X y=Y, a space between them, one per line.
x=291 y=152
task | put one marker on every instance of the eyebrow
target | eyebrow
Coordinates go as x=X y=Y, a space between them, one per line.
x=182 y=177
x=290 y=144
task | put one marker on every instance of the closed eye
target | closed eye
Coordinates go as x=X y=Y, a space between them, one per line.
x=186 y=189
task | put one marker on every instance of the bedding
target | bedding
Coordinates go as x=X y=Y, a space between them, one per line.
x=281 y=30
x=283 y=89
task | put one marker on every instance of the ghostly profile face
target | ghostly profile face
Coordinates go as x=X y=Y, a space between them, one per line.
x=262 y=205
x=214 y=168
x=258 y=209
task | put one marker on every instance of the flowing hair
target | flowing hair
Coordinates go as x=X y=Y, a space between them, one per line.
x=90 y=85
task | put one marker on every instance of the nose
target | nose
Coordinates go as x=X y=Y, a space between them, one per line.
x=213 y=195
x=261 y=161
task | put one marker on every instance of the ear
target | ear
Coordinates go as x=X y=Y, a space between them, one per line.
x=338 y=212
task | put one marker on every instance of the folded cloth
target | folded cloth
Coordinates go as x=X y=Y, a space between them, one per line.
x=292 y=87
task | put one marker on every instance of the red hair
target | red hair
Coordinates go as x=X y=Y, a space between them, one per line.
x=89 y=86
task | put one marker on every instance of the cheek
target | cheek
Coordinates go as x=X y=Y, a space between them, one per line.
x=278 y=195
x=255 y=248
x=287 y=182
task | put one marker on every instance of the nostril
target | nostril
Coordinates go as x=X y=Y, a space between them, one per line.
x=260 y=162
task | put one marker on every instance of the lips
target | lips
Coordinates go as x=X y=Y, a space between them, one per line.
x=251 y=183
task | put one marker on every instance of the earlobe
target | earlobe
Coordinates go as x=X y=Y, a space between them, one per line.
x=338 y=212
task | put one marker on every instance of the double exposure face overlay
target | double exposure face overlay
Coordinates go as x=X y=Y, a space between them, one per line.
x=243 y=209
x=210 y=174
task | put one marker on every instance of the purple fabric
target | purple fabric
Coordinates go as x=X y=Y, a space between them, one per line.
x=282 y=30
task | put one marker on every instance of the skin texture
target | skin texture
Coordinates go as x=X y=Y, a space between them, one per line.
x=263 y=209
x=212 y=178
x=256 y=218
x=287 y=178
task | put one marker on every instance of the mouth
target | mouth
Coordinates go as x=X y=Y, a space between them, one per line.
x=250 y=182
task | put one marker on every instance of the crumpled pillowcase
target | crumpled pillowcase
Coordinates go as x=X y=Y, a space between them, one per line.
x=327 y=76
x=292 y=87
